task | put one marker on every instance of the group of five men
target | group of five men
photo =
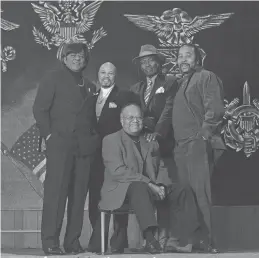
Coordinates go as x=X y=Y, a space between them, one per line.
x=118 y=145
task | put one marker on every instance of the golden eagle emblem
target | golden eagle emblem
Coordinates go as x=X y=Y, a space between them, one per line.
x=67 y=22
x=175 y=28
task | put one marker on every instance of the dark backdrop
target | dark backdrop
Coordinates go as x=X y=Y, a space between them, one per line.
x=232 y=53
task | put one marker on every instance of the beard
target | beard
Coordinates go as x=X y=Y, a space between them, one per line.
x=185 y=68
x=106 y=84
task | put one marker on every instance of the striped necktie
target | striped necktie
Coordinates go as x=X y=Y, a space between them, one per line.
x=148 y=90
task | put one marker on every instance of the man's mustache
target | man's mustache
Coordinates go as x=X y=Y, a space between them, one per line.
x=184 y=64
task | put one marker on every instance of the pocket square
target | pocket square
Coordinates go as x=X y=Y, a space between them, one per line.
x=112 y=105
x=160 y=90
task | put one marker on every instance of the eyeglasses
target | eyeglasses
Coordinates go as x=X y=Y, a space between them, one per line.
x=74 y=56
x=130 y=118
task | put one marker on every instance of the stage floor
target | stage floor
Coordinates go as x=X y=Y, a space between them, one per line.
x=34 y=253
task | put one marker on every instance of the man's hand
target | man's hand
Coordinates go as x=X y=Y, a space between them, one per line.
x=151 y=136
x=149 y=123
x=158 y=190
x=43 y=145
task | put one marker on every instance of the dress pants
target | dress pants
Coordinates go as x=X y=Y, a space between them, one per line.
x=183 y=210
x=67 y=176
x=167 y=175
x=195 y=162
x=142 y=201
x=119 y=239
x=181 y=203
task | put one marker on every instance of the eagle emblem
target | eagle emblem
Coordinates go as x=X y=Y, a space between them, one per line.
x=67 y=22
x=8 y=53
x=241 y=130
x=175 y=28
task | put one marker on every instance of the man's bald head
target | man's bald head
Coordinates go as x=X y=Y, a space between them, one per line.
x=107 y=74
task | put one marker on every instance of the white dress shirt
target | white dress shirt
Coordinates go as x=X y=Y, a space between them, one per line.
x=103 y=95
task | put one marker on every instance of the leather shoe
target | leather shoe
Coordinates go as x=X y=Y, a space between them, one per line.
x=74 y=251
x=117 y=251
x=93 y=250
x=53 y=251
x=205 y=248
x=152 y=249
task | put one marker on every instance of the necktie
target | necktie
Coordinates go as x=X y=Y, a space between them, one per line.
x=148 y=90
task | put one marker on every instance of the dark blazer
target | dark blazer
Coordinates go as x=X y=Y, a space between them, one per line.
x=159 y=107
x=60 y=108
x=109 y=120
x=204 y=95
x=124 y=164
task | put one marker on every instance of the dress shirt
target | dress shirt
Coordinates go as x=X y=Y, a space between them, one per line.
x=103 y=95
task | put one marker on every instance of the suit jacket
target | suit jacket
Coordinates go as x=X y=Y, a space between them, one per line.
x=159 y=107
x=60 y=108
x=124 y=164
x=109 y=120
x=204 y=96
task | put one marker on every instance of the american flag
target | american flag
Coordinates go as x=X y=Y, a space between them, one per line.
x=26 y=150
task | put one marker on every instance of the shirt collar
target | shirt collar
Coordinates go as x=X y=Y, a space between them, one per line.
x=152 y=78
x=106 y=91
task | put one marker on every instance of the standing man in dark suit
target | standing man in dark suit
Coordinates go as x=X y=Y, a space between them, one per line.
x=197 y=116
x=156 y=93
x=64 y=111
x=109 y=101
x=131 y=176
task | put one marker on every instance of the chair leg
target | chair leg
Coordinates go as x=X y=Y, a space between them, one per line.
x=103 y=232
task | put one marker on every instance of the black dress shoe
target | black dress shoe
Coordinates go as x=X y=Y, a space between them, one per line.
x=205 y=248
x=53 y=251
x=153 y=248
x=74 y=250
x=117 y=251
x=93 y=250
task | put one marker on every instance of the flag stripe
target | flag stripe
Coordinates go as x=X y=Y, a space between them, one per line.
x=38 y=167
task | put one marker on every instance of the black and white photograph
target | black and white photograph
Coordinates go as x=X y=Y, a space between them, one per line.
x=129 y=129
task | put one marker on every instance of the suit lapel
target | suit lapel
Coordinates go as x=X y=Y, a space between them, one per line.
x=111 y=98
x=73 y=89
x=132 y=149
x=144 y=147
x=159 y=81
x=88 y=94
x=185 y=84
x=143 y=86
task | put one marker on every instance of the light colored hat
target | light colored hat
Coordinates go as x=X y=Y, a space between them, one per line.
x=149 y=50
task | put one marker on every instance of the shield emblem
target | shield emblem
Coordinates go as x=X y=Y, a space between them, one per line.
x=247 y=122
x=67 y=31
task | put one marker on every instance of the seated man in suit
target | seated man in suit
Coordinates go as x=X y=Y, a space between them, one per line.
x=131 y=168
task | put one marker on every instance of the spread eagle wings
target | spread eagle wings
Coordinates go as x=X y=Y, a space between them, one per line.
x=203 y=22
x=6 y=25
x=87 y=17
x=151 y=23
x=48 y=17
